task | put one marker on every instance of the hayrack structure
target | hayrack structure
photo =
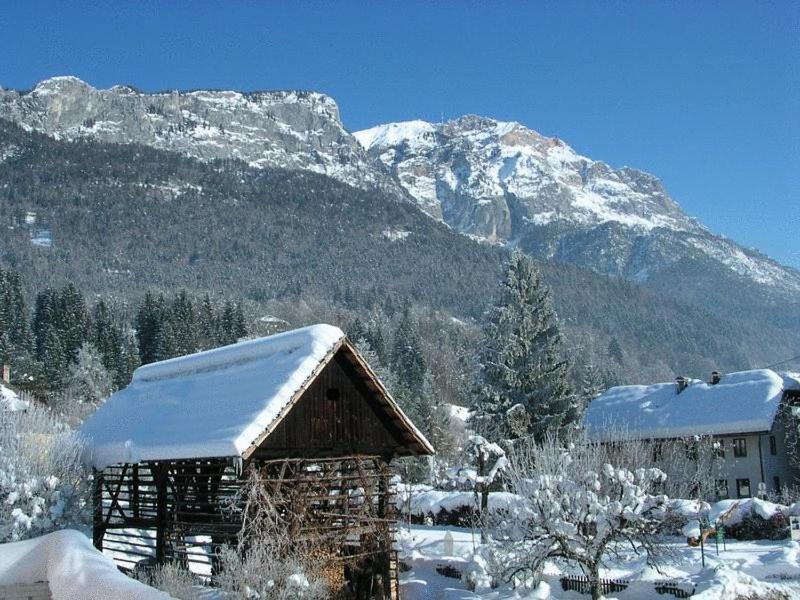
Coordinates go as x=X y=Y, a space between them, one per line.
x=173 y=452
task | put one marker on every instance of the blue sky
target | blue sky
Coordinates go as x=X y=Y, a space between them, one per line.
x=705 y=95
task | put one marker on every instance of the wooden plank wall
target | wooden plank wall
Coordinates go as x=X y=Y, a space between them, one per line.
x=333 y=418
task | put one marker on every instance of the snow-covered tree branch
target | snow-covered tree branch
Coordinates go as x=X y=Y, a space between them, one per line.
x=575 y=505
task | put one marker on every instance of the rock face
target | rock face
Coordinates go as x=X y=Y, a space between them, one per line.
x=496 y=181
x=504 y=183
x=283 y=129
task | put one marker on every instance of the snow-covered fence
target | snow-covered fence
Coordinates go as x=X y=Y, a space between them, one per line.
x=421 y=503
x=26 y=591
x=582 y=584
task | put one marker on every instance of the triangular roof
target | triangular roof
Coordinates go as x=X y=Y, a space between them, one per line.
x=225 y=402
x=743 y=402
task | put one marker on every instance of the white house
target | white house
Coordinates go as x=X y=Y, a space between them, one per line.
x=739 y=409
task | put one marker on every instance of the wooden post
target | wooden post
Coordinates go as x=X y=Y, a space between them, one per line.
x=98 y=522
x=134 y=493
x=161 y=512
x=484 y=495
x=384 y=509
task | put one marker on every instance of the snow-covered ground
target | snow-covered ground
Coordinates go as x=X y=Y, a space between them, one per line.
x=72 y=567
x=742 y=569
x=10 y=400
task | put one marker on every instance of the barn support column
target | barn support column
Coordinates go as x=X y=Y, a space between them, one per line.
x=98 y=521
x=160 y=477
x=388 y=561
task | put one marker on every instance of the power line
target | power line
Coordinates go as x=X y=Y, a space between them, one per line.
x=782 y=362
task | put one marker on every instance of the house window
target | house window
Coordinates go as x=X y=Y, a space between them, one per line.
x=743 y=488
x=333 y=394
x=692 y=452
x=773 y=445
x=658 y=451
x=776 y=481
x=722 y=489
x=719 y=450
x=739 y=447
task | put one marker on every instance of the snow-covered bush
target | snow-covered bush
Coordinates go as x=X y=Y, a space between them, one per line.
x=262 y=573
x=42 y=483
x=574 y=506
x=88 y=385
x=267 y=564
x=171 y=578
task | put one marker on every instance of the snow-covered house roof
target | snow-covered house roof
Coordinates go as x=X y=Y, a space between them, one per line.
x=743 y=402
x=10 y=400
x=225 y=402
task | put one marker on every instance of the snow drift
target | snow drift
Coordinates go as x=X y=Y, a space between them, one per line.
x=74 y=569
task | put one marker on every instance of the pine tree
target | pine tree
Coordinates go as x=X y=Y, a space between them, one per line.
x=615 y=351
x=53 y=360
x=523 y=387
x=184 y=325
x=378 y=342
x=72 y=321
x=408 y=362
x=149 y=322
x=231 y=324
x=89 y=381
x=44 y=318
x=592 y=384
x=106 y=337
x=15 y=334
x=207 y=326
x=239 y=324
x=129 y=359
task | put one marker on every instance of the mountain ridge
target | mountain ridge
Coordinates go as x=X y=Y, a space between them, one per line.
x=496 y=181
x=122 y=219
x=505 y=183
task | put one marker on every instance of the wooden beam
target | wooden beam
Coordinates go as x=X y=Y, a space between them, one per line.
x=98 y=528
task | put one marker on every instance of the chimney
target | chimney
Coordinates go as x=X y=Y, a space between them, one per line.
x=715 y=377
x=682 y=383
x=6 y=373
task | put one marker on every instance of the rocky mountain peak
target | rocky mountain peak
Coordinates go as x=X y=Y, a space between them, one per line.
x=505 y=183
x=279 y=129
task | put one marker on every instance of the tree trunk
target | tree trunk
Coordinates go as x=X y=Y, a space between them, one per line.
x=594 y=581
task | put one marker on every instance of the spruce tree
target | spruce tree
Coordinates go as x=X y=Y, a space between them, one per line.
x=408 y=362
x=150 y=320
x=53 y=360
x=239 y=324
x=44 y=319
x=72 y=321
x=106 y=337
x=184 y=325
x=207 y=326
x=523 y=387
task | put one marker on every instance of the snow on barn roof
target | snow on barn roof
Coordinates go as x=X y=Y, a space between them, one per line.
x=742 y=402
x=212 y=404
x=10 y=400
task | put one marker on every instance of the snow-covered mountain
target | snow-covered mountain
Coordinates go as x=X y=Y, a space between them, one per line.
x=496 y=181
x=505 y=183
x=278 y=129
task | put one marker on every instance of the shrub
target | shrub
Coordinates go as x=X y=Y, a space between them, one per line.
x=42 y=482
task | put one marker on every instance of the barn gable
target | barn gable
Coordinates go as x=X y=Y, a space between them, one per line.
x=343 y=411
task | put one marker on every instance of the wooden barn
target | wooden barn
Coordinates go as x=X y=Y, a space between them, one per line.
x=172 y=450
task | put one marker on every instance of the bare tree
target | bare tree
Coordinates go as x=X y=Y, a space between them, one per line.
x=268 y=563
x=576 y=505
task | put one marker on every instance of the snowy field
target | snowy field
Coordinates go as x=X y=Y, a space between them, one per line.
x=743 y=570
